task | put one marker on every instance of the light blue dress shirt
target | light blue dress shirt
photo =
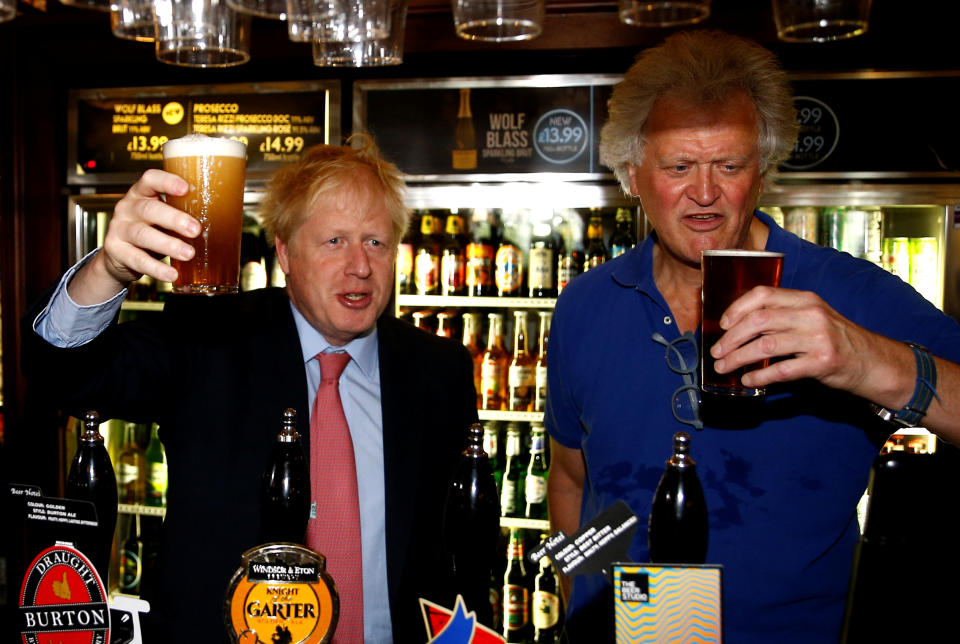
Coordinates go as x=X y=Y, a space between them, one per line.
x=64 y=323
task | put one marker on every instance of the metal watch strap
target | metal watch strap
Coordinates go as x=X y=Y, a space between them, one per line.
x=923 y=394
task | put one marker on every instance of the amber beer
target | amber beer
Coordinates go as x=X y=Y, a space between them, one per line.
x=215 y=169
x=726 y=275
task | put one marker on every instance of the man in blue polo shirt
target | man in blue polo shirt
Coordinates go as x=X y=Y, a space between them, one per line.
x=694 y=129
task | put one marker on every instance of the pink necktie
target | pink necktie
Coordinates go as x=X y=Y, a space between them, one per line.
x=335 y=532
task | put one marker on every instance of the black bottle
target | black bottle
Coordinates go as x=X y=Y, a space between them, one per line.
x=471 y=525
x=285 y=487
x=678 y=529
x=92 y=479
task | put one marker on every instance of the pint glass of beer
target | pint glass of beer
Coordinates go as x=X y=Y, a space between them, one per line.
x=215 y=169
x=728 y=274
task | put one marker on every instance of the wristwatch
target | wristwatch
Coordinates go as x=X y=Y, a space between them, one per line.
x=924 y=392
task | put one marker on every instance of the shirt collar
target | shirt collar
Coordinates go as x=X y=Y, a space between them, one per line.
x=362 y=350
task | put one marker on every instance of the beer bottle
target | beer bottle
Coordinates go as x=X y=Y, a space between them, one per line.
x=514 y=473
x=540 y=369
x=131 y=468
x=130 y=558
x=542 y=259
x=156 y=470
x=622 y=239
x=424 y=320
x=596 y=250
x=491 y=445
x=493 y=369
x=465 y=137
x=426 y=263
x=508 y=268
x=678 y=528
x=453 y=261
x=405 y=251
x=520 y=382
x=535 y=483
x=471 y=340
x=92 y=479
x=570 y=263
x=516 y=596
x=480 y=255
x=445 y=324
x=285 y=487
x=545 y=608
x=471 y=524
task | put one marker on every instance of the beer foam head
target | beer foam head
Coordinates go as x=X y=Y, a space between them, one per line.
x=739 y=252
x=196 y=145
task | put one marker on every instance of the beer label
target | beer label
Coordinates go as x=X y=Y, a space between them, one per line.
x=427 y=272
x=546 y=610
x=535 y=489
x=541 y=268
x=541 y=378
x=157 y=478
x=509 y=268
x=281 y=593
x=452 y=272
x=491 y=377
x=515 y=607
x=520 y=376
x=63 y=599
x=508 y=497
x=490 y=444
x=479 y=265
x=127 y=474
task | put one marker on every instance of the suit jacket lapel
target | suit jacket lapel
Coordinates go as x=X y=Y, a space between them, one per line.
x=399 y=389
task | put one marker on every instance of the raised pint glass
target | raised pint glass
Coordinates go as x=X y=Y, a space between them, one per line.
x=726 y=275
x=215 y=168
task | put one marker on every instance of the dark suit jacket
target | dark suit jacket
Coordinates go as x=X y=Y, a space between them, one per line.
x=217 y=374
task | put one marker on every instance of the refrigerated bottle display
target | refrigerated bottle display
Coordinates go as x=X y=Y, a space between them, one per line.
x=471 y=340
x=426 y=262
x=540 y=394
x=622 y=239
x=535 y=483
x=156 y=459
x=445 y=324
x=514 y=475
x=405 y=251
x=520 y=375
x=131 y=468
x=453 y=259
x=516 y=595
x=480 y=254
x=542 y=262
x=508 y=267
x=491 y=445
x=545 y=606
x=596 y=252
x=493 y=370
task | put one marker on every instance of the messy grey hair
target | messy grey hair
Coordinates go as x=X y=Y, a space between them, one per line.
x=705 y=67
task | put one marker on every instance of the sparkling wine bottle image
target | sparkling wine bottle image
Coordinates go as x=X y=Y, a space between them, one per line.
x=92 y=479
x=465 y=136
x=285 y=487
x=678 y=528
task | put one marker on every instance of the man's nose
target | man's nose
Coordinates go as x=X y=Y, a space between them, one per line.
x=357 y=261
x=703 y=188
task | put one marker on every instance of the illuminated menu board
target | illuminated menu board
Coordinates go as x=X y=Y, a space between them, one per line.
x=117 y=134
x=475 y=128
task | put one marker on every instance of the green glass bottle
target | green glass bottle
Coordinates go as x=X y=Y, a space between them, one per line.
x=511 y=487
x=535 y=484
x=156 y=470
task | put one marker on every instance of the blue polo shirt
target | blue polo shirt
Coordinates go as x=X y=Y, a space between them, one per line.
x=782 y=475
